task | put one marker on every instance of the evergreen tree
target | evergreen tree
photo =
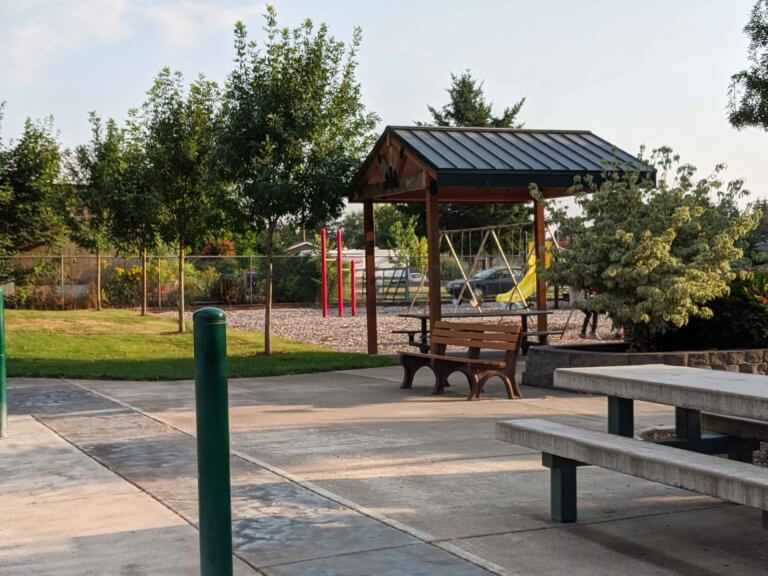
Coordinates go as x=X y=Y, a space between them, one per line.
x=467 y=107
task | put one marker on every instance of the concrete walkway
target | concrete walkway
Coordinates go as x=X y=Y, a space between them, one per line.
x=345 y=474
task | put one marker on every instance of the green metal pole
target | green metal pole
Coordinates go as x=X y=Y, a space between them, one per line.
x=215 y=505
x=3 y=373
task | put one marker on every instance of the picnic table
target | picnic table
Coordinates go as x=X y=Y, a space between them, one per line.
x=690 y=390
x=733 y=405
x=423 y=342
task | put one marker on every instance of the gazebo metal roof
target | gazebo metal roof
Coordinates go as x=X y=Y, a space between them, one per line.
x=477 y=158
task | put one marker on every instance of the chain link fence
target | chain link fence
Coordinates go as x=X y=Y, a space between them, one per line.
x=62 y=282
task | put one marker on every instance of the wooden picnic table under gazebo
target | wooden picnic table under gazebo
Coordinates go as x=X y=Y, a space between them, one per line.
x=440 y=165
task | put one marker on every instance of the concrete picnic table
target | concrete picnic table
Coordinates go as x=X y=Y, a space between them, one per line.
x=690 y=390
x=424 y=318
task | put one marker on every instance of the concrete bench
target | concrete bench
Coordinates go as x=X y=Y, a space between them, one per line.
x=565 y=447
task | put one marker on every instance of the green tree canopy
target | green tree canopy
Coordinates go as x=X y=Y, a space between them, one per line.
x=294 y=129
x=31 y=208
x=749 y=88
x=136 y=207
x=179 y=127
x=468 y=107
x=655 y=254
x=96 y=173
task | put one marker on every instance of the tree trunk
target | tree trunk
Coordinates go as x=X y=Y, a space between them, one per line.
x=144 y=282
x=268 y=304
x=98 y=279
x=182 y=327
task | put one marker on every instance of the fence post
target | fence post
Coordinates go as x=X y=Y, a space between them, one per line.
x=214 y=496
x=352 y=288
x=340 y=271
x=324 y=271
x=3 y=374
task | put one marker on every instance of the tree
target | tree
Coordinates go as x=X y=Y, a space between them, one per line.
x=410 y=249
x=352 y=224
x=31 y=213
x=95 y=170
x=748 y=92
x=467 y=107
x=294 y=130
x=655 y=254
x=137 y=207
x=180 y=130
x=385 y=217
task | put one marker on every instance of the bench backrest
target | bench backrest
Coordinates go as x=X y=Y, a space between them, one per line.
x=477 y=335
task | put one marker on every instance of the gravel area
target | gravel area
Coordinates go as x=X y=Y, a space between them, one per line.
x=347 y=334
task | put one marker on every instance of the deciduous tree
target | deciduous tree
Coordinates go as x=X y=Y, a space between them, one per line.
x=749 y=88
x=31 y=209
x=294 y=130
x=95 y=172
x=179 y=126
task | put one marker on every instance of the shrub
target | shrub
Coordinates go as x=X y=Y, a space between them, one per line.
x=124 y=286
x=739 y=320
x=656 y=253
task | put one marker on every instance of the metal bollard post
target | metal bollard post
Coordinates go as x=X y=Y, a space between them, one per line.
x=3 y=373
x=214 y=497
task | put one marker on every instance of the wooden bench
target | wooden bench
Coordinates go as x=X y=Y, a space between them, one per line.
x=474 y=337
x=565 y=447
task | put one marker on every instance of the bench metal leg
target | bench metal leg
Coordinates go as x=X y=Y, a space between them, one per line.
x=562 y=487
x=688 y=424
x=765 y=520
x=621 y=416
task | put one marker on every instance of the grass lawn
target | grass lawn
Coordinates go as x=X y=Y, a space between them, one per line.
x=122 y=345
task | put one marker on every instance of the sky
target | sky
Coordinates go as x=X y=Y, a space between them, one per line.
x=654 y=72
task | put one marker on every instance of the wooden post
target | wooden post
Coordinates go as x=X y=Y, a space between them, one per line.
x=370 y=277
x=433 y=251
x=540 y=245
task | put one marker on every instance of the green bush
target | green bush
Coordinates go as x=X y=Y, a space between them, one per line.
x=739 y=320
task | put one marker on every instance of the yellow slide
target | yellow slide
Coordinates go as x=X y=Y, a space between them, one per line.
x=526 y=287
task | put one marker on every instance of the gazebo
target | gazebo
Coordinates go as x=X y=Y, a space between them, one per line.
x=440 y=165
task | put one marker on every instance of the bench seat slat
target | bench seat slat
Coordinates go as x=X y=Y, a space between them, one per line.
x=730 y=480
x=477 y=326
x=484 y=344
x=457 y=359
x=488 y=335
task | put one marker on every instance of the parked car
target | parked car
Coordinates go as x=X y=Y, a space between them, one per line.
x=485 y=283
x=399 y=277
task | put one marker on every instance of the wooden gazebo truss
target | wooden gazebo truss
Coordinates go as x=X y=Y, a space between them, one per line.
x=438 y=165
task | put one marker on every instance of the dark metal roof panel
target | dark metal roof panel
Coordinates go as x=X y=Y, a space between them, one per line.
x=510 y=150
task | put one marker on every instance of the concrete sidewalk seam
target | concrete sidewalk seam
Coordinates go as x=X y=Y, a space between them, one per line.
x=339 y=555
x=134 y=484
x=411 y=531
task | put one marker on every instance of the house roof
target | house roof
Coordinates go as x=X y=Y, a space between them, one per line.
x=478 y=158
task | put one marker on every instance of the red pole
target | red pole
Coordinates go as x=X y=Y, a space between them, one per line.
x=324 y=271
x=339 y=272
x=352 y=288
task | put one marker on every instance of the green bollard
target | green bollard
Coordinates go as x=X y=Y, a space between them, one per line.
x=214 y=497
x=3 y=373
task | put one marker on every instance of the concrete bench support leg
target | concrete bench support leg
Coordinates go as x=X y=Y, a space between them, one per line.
x=688 y=424
x=621 y=416
x=562 y=487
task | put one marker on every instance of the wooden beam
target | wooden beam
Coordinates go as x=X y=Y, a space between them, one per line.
x=433 y=251
x=405 y=184
x=541 y=255
x=369 y=239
